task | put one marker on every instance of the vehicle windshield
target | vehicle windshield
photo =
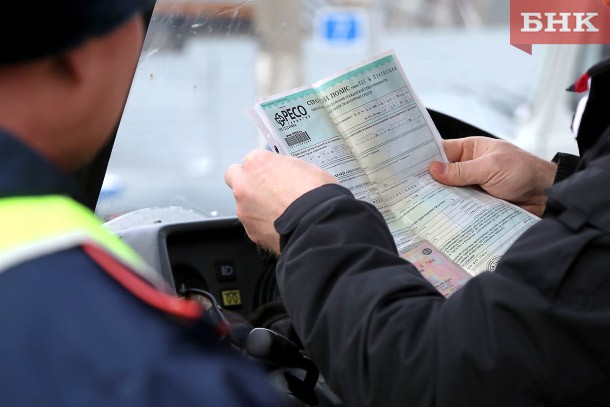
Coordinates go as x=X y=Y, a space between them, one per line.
x=204 y=63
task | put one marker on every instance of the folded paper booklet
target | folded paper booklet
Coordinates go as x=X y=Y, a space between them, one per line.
x=367 y=127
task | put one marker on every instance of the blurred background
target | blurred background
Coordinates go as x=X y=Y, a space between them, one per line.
x=205 y=62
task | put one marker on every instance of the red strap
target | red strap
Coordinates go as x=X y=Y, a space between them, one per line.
x=142 y=289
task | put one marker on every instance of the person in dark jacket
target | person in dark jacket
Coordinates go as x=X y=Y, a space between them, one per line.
x=83 y=320
x=534 y=332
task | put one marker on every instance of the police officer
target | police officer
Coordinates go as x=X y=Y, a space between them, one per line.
x=83 y=321
x=533 y=333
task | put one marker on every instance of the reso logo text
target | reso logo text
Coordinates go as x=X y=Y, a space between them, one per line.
x=292 y=113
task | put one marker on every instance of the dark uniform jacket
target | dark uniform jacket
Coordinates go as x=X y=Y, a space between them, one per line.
x=72 y=335
x=535 y=332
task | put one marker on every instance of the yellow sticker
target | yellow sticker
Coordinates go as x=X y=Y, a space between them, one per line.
x=231 y=298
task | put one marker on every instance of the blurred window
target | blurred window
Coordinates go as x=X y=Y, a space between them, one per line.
x=205 y=62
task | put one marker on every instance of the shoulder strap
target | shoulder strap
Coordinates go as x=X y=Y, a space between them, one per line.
x=36 y=226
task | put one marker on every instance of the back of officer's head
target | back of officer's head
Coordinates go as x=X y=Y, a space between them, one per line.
x=36 y=29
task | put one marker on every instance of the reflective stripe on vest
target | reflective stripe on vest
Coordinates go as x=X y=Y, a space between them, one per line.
x=33 y=227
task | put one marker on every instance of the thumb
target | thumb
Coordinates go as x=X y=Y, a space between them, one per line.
x=456 y=174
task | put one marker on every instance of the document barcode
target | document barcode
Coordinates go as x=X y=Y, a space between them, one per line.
x=297 y=137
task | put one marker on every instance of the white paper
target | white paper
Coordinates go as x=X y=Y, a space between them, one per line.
x=367 y=127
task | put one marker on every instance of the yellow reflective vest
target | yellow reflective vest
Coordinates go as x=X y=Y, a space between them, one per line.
x=35 y=226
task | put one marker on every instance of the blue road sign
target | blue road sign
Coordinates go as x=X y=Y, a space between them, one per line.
x=341 y=28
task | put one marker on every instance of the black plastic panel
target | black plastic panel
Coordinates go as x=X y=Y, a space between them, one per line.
x=220 y=259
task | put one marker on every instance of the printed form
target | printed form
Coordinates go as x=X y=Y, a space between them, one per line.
x=367 y=127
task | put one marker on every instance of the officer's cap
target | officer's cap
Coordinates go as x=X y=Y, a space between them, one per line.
x=40 y=28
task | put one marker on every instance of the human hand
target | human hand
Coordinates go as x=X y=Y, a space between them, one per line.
x=500 y=168
x=265 y=185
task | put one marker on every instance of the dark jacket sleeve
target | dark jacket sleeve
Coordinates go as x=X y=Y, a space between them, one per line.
x=566 y=165
x=383 y=336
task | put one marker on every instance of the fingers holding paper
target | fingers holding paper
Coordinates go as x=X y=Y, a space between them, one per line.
x=265 y=185
x=500 y=168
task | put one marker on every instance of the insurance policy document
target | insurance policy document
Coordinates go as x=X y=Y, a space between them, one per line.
x=367 y=127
